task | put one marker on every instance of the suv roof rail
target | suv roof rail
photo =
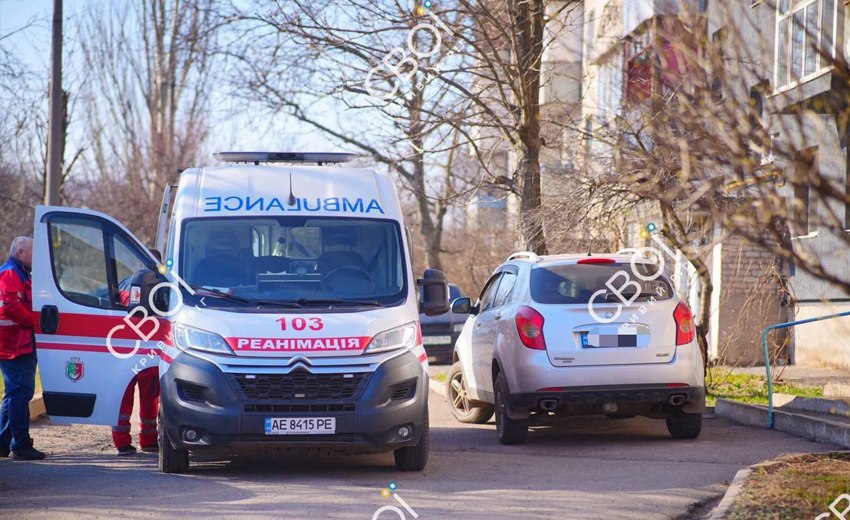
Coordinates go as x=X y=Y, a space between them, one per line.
x=319 y=158
x=523 y=254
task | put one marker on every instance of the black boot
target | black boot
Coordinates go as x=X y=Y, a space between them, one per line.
x=126 y=450
x=27 y=453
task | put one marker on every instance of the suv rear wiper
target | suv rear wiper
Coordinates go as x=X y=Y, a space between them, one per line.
x=332 y=301
x=218 y=293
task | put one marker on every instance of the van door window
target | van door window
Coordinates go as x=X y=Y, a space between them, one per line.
x=126 y=260
x=79 y=261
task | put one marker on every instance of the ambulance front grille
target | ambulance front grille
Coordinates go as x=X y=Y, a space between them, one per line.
x=299 y=384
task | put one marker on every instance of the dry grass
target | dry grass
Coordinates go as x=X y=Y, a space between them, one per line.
x=800 y=486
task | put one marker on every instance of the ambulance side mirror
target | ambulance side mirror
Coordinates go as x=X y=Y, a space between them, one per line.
x=141 y=284
x=435 y=293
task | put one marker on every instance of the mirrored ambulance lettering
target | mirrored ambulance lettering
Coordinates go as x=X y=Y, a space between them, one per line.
x=309 y=204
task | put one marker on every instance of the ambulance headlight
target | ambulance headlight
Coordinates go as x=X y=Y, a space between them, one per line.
x=393 y=339
x=190 y=338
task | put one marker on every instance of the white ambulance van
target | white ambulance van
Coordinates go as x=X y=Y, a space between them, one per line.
x=282 y=317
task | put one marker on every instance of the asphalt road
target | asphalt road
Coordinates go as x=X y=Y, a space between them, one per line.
x=590 y=468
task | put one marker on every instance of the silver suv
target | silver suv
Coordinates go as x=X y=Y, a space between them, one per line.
x=577 y=335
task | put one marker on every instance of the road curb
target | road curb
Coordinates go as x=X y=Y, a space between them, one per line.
x=37 y=408
x=732 y=492
x=812 y=404
x=805 y=426
x=438 y=387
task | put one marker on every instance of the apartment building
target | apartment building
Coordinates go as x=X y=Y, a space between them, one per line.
x=632 y=56
x=789 y=48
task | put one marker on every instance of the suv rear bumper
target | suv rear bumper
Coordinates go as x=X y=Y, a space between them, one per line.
x=648 y=400
x=197 y=395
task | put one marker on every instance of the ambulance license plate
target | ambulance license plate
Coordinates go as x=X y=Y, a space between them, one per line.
x=301 y=426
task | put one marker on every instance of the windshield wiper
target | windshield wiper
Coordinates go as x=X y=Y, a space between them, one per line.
x=332 y=301
x=218 y=293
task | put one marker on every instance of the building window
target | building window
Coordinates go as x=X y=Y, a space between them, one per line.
x=804 y=39
x=805 y=198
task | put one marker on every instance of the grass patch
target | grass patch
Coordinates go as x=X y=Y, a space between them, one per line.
x=37 y=383
x=800 y=486
x=721 y=382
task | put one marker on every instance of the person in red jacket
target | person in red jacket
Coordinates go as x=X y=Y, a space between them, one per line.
x=17 y=352
x=148 y=382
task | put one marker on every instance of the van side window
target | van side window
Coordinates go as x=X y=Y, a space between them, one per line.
x=79 y=261
x=489 y=293
x=506 y=286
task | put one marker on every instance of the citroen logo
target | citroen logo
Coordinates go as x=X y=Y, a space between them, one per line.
x=298 y=359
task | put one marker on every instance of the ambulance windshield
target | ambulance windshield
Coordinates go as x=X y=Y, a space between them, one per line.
x=308 y=260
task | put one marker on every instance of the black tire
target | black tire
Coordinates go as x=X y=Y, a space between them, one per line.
x=683 y=425
x=459 y=399
x=171 y=459
x=414 y=458
x=510 y=431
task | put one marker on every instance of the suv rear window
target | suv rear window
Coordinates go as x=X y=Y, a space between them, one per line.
x=576 y=283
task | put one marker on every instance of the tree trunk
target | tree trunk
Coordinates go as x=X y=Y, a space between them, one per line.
x=529 y=21
x=430 y=232
x=531 y=224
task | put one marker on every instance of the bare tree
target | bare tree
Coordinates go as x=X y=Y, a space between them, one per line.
x=357 y=75
x=148 y=97
x=503 y=43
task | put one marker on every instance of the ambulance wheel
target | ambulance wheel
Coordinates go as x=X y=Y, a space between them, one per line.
x=414 y=458
x=171 y=459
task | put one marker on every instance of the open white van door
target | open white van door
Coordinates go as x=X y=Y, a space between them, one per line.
x=88 y=352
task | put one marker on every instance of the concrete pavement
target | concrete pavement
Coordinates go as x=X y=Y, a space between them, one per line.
x=589 y=468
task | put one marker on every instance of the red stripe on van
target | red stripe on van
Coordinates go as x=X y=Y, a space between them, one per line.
x=98 y=326
x=94 y=348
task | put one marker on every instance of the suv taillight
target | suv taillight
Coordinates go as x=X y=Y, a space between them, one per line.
x=685 y=328
x=529 y=324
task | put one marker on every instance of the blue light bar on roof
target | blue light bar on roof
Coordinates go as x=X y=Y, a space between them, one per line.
x=287 y=157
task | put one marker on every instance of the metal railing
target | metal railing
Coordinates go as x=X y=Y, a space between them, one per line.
x=767 y=355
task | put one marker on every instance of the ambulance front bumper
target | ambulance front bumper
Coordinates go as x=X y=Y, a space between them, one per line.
x=206 y=409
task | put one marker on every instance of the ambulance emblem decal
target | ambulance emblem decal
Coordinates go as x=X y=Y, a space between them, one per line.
x=75 y=369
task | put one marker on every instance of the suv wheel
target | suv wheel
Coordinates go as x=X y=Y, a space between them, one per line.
x=684 y=425
x=171 y=459
x=510 y=431
x=414 y=458
x=459 y=399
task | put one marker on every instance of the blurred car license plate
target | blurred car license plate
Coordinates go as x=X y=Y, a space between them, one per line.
x=436 y=340
x=301 y=426
x=617 y=336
